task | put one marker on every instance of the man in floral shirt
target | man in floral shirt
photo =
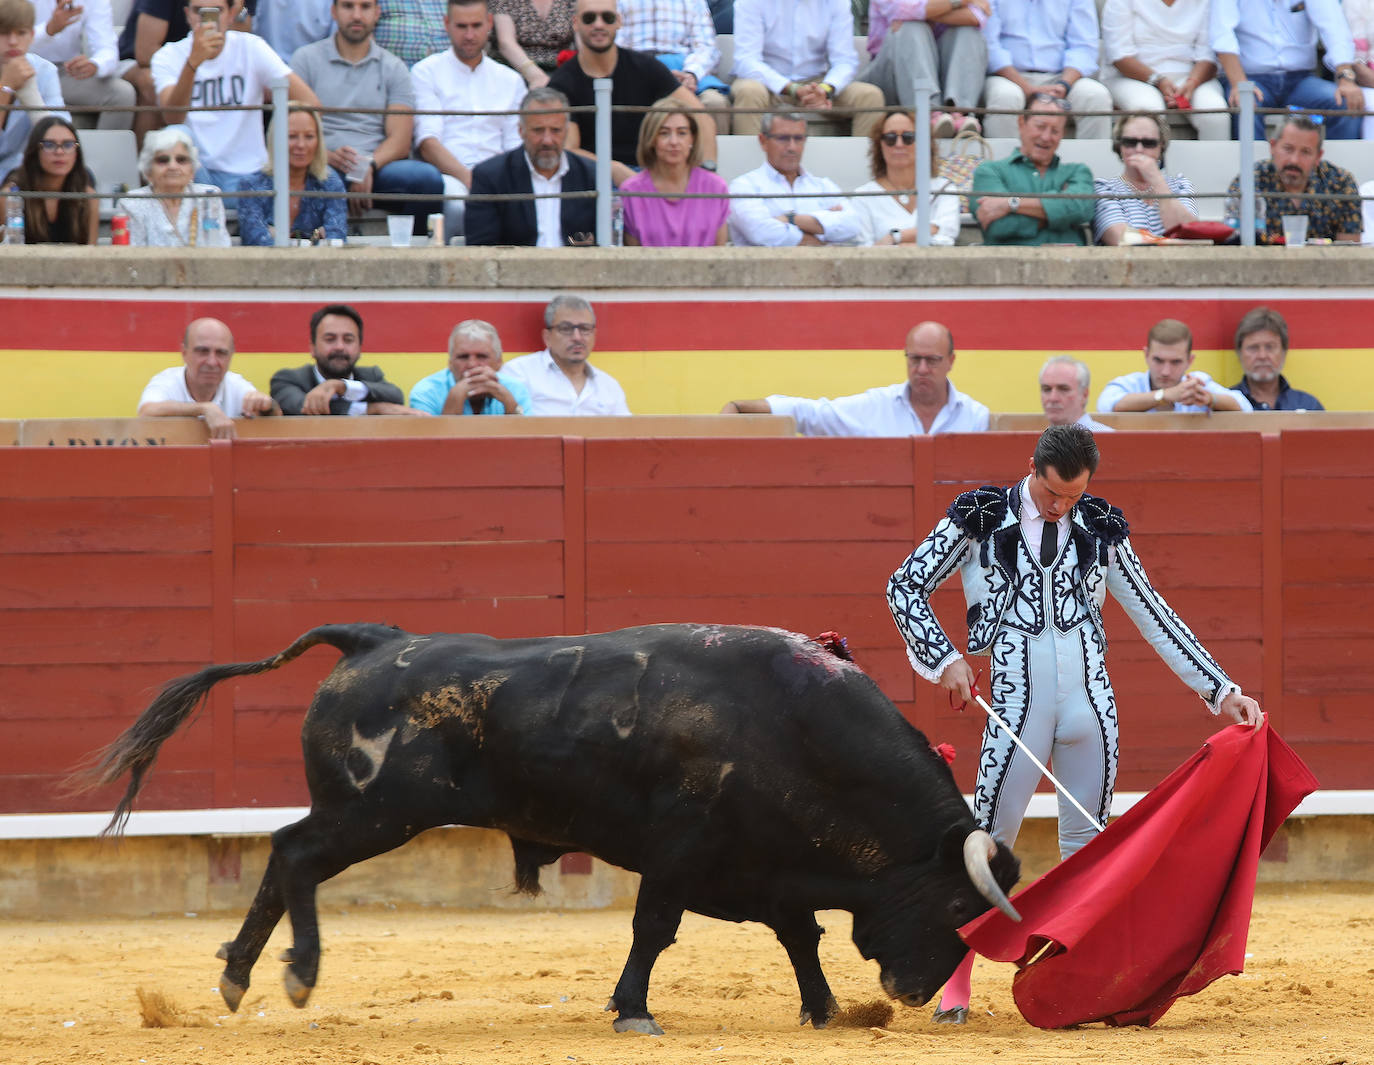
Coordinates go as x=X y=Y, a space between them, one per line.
x=1294 y=172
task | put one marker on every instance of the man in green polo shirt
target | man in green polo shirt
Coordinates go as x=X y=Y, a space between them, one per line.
x=1006 y=197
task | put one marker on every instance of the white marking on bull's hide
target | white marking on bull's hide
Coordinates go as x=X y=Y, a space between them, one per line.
x=401 y=660
x=726 y=769
x=624 y=717
x=374 y=750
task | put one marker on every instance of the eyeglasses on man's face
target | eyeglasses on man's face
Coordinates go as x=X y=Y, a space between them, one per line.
x=908 y=136
x=567 y=329
x=57 y=146
x=610 y=18
x=1140 y=142
x=163 y=160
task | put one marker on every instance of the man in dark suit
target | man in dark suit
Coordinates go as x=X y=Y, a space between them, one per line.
x=540 y=166
x=336 y=384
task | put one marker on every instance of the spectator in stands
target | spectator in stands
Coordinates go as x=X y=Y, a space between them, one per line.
x=204 y=386
x=1140 y=140
x=26 y=81
x=1262 y=348
x=1359 y=14
x=681 y=36
x=541 y=166
x=193 y=216
x=412 y=30
x=723 y=15
x=1064 y=383
x=638 y=80
x=212 y=67
x=1294 y=171
x=1275 y=46
x=148 y=26
x=1006 y=198
x=1046 y=48
x=924 y=404
x=531 y=33
x=891 y=219
x=473 y=382
x=799 y=55
x=940 y=41
x=313 y=218
x=560 y=380
x=1166 y=383
x=670 y=154
x=464 y=78
x=289 y=25
x=798 y=207
x=52 y=162
x=369 y=149
x=1160 y=58
x=336 y=384
x=79 y=39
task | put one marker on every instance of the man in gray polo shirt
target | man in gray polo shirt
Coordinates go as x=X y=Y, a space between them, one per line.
x=371 y=151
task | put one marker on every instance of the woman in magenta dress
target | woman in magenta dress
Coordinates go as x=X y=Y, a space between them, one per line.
x=669 y=152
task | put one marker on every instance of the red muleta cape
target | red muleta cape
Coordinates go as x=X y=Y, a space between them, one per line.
x=1158 y=905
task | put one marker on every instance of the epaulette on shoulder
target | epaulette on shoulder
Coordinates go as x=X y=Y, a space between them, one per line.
x=979 y=513
x=1107 y=522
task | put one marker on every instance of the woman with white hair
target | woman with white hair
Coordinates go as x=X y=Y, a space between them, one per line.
x=312 y=217
x=190 y=214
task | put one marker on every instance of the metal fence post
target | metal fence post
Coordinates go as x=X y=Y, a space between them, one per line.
x=1246 y=90
x=281 y=166
x=923 y=88
x=601 y=87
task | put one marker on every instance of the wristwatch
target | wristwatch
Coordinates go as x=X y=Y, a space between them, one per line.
x=1013 y=204
x=708 y=164
x=791 y=218
x=955 y=5
x=1159 y=395
x=1154 y=77
x=896 y=235
x=1345 y=74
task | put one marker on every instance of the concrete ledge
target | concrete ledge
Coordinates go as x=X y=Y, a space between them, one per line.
x=660 y=270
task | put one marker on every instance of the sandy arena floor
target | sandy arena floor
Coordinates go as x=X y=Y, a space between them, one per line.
x=441 y=987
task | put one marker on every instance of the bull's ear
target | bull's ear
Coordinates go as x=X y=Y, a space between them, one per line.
x=952 y=846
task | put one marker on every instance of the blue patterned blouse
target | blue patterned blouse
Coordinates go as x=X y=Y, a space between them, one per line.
x=255 y=213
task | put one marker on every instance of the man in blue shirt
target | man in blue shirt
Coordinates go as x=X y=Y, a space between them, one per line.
x=1042 y=47
x=473 y=382
x=1275 y=46
x=1262 y=348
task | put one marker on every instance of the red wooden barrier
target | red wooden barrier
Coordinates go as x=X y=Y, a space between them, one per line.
x=124 y=567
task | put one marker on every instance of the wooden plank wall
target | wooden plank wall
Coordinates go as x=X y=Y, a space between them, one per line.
x=121 y=568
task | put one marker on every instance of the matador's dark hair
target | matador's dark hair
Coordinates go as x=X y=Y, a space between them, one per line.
x=1070 y=449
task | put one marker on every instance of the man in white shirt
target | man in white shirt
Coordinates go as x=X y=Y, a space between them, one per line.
x=799 y=53
x=560 y=380
x=212 y=67
x=800 y=207
x=681 y=36
x=464 y=78
x=80 y=40
x=924 y=404
x=204 y=387
x=1166 y=383
x=1064 y=383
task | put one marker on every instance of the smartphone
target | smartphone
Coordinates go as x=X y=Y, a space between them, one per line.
x=209 y=16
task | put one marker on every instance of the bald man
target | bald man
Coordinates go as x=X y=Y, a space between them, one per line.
x=204 y=387
x=925 y=403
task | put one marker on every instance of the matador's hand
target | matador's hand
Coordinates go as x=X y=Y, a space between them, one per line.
x=1242 y=709
x=958 y=679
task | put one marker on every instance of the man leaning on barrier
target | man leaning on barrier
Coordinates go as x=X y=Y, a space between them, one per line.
x=204 y=386
x=1262 y=348
x=473 y=382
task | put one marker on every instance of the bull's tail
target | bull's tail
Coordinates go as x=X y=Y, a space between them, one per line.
x=135 y=750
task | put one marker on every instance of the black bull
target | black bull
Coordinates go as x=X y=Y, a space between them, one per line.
x=745 y=773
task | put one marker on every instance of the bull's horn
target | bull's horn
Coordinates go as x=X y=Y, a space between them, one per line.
x=978 y=848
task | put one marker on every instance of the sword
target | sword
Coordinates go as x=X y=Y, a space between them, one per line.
x=1038 y=764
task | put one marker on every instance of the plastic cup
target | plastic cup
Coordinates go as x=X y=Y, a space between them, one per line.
x=1294 y=230
x=398 y=227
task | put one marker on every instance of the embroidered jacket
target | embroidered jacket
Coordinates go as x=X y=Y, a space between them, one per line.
x=980 y=537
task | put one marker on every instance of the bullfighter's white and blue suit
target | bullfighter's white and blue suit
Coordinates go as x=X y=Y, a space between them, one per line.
x=1042 y=626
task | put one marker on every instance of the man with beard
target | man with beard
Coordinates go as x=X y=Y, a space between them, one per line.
x=924 y=404
x=638 y=80
x=370 y=149
x=561 y=380
x=539 y=166
x=1262 y=348
x=336 y=384
x=1294 y=171
x=464 y=78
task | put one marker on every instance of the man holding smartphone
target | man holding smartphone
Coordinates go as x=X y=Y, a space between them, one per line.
x=213 y=68
x=78 y=38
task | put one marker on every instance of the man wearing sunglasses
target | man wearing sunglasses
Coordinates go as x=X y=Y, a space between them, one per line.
x=638 y=80
x=560 y=379
x=1008 y=194
x=26 y=80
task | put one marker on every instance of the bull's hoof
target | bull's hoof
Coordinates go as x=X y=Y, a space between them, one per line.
x=953 y=1015
x=610 y=1006
x=297 y=990
x=820 y=1018
x=223 y=953
x=643 y=1025
x=232 y=993
x=288 y=956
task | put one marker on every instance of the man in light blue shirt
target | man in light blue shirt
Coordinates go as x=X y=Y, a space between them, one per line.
x=1275 y=46
x=1167 y=383
x=1035 y=46
x=26 y=81
x=924 y=404
x=472 y=383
